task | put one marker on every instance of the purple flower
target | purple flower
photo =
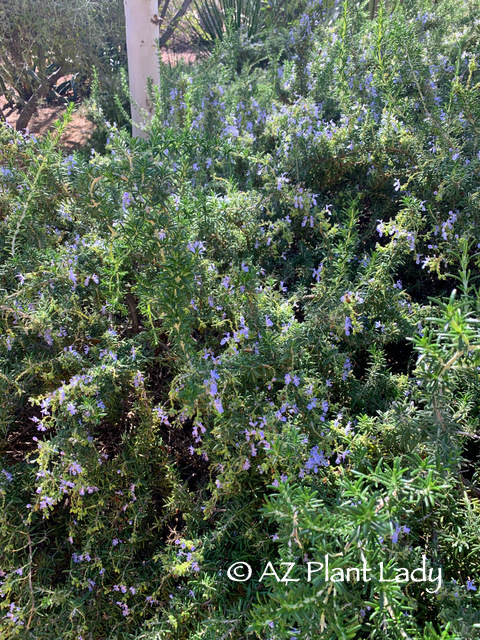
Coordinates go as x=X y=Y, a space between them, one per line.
x=70 y=162
x=348 y=325
x=316 y=272
x=75 y=469
x=197 y=246
x=341 y=456
x=71 y=408
x=212 y=388
x=161 y=413
x=316 y=459
x=6 y=173
x=126 y=201
x=138 y=379
x=46 y=501
x=470 y=586
x=398 y=530
x=8 y=475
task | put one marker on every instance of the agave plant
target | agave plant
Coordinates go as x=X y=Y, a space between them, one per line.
x=246 y=15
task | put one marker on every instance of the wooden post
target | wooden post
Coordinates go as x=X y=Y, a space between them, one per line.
x=141 y=22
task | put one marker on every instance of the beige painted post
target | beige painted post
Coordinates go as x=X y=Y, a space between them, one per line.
x=142 y=34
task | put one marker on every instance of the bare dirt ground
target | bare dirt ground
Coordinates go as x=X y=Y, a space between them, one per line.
x=80 y=128
x=77 y=133
x=173 y=57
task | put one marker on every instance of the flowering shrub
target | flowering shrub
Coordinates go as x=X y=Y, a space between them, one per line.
x=252 y=338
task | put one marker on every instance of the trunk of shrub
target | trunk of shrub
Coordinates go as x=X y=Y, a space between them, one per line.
x=39 y=93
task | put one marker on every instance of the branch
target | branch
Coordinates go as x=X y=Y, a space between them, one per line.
x=164 y=11
x=30 y=585
x=469 y=486
x=425 y=108
x=38 y=94
x=173 y=24
x=132 y=307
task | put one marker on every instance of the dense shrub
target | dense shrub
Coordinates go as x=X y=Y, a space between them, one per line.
x=252 y=338
x=42 y=44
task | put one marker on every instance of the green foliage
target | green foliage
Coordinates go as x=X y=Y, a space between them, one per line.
x=219 y=16
x=252 y=338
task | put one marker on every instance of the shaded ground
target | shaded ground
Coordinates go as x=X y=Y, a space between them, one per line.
x=77 y=133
